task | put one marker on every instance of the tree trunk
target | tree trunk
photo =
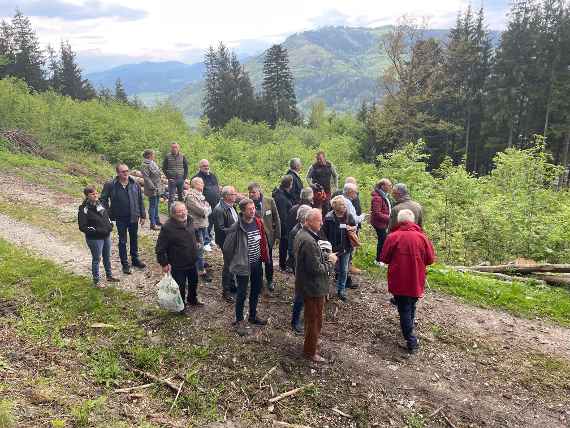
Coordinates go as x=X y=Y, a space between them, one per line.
x=522 y=269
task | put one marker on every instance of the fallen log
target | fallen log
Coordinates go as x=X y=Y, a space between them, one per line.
x=499 y=276
x=522 y=269
x=557 y=280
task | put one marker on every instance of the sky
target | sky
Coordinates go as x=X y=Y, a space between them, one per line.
x=108 y=33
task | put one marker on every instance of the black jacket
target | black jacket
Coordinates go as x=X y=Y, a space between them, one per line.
x=177 y=245
x=94 y=220
x=135 y=199
x=336 y=234
x=222 y=222
x=284 y=201
x=297 y=186
x=292 y=215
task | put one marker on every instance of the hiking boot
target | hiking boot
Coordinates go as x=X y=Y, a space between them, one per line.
x=127 y=270
x=111 y=278
x=257 y=321
x=205 y=277
x=228 y=297
x=342 y=297
x=298 y=330
x=241 y=328
x=138 y=264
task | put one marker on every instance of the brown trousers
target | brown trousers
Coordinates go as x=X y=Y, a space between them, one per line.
x=313 y=323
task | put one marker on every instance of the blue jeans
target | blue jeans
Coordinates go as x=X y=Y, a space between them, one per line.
x=100 y=248
x=298 y=303
x=153 y=202
x=132 y=229
x=256 y=278
x=342 y=272
x=202 y=233
x=407 y=311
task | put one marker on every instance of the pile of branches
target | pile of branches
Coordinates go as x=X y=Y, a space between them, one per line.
x=553 y=274
x=20 y=141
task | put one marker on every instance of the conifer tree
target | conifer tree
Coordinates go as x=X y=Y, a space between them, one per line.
x=120 y=93
x=28 y=56
x=6 y=49
x=278 y=86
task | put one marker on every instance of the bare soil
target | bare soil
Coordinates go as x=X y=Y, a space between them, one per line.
x=476 y=367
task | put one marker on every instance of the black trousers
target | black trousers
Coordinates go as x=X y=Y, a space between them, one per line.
x=228 y=280
x=381 y=234
x=283 y=247
x=187 y=279
x=407 y=311
x=256 y=278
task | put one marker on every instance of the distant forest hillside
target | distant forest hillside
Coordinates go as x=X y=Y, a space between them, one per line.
x=339 y=65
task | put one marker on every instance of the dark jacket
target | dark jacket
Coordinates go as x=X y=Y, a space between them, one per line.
x=297 y=186
x=271 y=219
x=292 y=215
x=325 y=175
x=223 y=220
x=175 y=167
x=235 y=247
x=94 y=220
x=335 y=231
x=177 y=245
x=211 y=187
x=135 y=199
x=311 y=267
x=407 y=251
x=406 y=203
x=291 y=245
x=284 y=202
x=379 y=211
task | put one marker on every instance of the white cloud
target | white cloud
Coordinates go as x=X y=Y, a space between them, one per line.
x=173 y=30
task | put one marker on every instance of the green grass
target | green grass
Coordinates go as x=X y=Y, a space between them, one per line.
x=528 y=300
x=69 y=173
x=6 y=416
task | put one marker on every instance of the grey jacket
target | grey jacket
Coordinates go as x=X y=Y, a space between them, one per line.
x=406 y=203
x=135 y=199
x=235 y=247
x=151 y=175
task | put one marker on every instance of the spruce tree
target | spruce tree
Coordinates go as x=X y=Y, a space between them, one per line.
x=28 y=56
x=70 y=80
x=120 y=93
x=6 y=49
x=278 y=86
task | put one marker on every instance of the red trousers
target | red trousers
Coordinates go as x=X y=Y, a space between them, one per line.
x=313 y=323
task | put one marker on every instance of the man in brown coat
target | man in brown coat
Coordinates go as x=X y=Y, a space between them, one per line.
x=312 y=269
x=404 y=202
x=266 y=210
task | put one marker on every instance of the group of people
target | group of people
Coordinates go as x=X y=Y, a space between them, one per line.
x=317 y=227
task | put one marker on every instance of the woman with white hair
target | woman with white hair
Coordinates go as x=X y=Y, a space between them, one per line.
x=407 y=251
x=198 y=211
x=337 y=225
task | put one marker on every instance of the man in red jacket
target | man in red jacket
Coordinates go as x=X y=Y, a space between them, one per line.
x=380 y=209
x=407 y=251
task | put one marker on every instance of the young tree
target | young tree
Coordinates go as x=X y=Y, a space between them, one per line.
x=120 y=93
x=278 y=86
x=317 y=115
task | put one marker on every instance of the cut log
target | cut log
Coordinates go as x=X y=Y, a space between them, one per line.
x=557 y=280
x=519 y=269
x=499 y=276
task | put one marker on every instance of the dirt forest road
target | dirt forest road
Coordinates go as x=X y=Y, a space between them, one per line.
x=477 y=367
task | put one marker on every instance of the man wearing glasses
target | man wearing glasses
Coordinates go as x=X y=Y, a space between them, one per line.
x=123 y=197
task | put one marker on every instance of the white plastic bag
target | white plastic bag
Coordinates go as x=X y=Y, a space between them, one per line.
x=169 y=294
